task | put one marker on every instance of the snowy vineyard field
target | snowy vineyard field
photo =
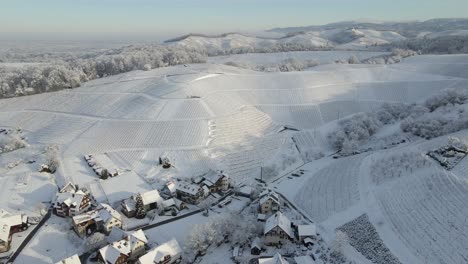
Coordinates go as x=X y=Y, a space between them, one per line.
x=210 y=116
x=334 y=188
x=429 y=216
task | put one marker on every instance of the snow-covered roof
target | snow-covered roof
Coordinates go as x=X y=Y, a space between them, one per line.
x=157 y=254
x=261 y=217
x=270 y=195
x=137 y=235
x=70 y=198
x=71 y=260
x=171 y=186
x=116 y=234
x=69 y=187
x=276 y=259
x=256 y=243
x=211 y=177
x=129 y=204
x=281 y=221
x=112 y=252
x=308 y=240
x=306 y=230
x=78 y=219
x=106 y=213
x=7 y=220
x=187 y=187
x=151 y=197
x=246 y=190
x=304 y=260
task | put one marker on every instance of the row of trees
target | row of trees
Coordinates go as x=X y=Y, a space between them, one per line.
x=230 y=227
x=446 y=112
x=287 y=65
x=39 y=78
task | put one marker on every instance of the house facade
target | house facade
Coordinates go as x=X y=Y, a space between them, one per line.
x=10 y=224
x=269 y=203
x=277 y=228
x=166 y=253
x=189 y=192
x=71 y=202
x=102 y=219
x=128 y=249
x=216 y=181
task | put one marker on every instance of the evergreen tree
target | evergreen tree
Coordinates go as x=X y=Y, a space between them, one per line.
x=140 y=207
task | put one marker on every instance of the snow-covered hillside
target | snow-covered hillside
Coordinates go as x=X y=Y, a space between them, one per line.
x=253 y=124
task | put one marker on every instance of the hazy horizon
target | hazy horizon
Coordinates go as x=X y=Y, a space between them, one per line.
x=158 y=20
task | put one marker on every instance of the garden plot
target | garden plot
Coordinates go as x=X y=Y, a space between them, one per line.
x=241 y=127
x=332 y=189
x=111 y=135
x=297 y=116
x=364 y=238
x=115 y=189
x=26 y=191
x=185 y=109
x=428 y=213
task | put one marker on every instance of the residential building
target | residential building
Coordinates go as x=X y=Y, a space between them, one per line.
x=216 y=181
x=189 y=192
x=269 y=203
x=10 y=224
x=122 y=251
x=277 y=228
x=71 y=201
x=166 y=253
x=306 y=231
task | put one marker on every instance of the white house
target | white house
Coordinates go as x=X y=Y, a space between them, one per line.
x=189 y=192
x=71 y=201
x=127 y=249
x=151 y=200
x=166 y=253
x=277 y=228
x=103 y=219
x=10 y=224
x=216 y=181
x=71 y=260
x=269 y=203
x=276 y=259
x=306 y=231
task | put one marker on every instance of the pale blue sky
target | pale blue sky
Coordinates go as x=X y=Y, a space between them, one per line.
x=174 y=17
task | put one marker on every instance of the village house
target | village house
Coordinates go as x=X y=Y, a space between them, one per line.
x=167 y=253
x=71 y=260
x=71 y=201
x=150 y=199
x=216 y=181
x=276 y=259
x=269 y=203
x=169 y=189
x=277 y=228
x=173 y=203
x=306 y=231
x=189 y=192
x=10 y=224
x=103 y=219
x=127 y=249
x=255 y=247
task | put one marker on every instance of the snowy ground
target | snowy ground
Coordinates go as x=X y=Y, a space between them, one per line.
x=215 y=116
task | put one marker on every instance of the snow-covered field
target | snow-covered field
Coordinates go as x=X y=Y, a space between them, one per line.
x=220 y=117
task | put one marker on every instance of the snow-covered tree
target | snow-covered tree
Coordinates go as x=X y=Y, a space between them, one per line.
x=140 y=207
